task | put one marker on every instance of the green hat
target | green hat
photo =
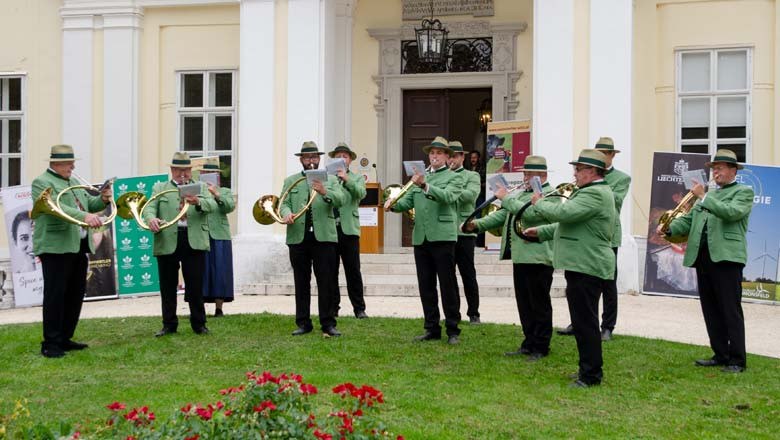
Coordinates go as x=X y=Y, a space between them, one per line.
x=725 y=156
x=180 y=160
x=309 y=147
x=591 y=158
x=211 y=164
x=606 y=143
x=534 y=163
x=342 y=147
x=456 y=147
x=440 y=143
x=61 y=153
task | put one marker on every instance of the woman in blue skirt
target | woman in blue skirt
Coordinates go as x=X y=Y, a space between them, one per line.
x=218 y=277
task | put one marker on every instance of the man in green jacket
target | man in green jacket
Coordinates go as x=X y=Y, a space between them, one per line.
x=312 y=239
x=435 y=232
x=182 y=245
x=532 y=262
x=348 y=229
x=62 y=247
x=464 y=247
x=716 y=227
x=582 y=247
x=619 y=182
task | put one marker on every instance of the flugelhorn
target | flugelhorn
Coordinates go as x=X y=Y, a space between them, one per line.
x=47 y=204
x=131 y=205
x=563 y=190
x=488 y=207
x=682 y=208
x=266 y=209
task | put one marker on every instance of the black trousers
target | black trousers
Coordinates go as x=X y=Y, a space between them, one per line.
x=348 y=250
x=720 y=295
x=610 y=297
x=532 y=293
x=464 y=259
x=64 y=281
x=436 y=259
x=323 y=256
x=582 y=294
x=193 y=264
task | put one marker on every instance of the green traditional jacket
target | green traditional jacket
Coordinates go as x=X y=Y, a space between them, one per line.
x=725 y=213
x=355 y=190
x=468 y=197
x=52 y=235
x=322 y=216
x=167 y=206
x=523 y=252
x=619 y=182
x=583 y=232
x=219 y=227
x=435 y=215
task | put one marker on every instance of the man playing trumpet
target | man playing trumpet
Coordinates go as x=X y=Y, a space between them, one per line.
x=184 y=244
x=434 y=235
x=62 y=247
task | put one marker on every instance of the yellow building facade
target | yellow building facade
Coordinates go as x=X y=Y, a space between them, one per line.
x=128 y=82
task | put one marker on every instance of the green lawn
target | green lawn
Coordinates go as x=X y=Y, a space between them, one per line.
x=471 y=391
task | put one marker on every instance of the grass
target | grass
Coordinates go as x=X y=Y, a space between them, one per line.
x=434 y=391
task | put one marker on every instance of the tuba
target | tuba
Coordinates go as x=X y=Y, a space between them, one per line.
x=47 y=204
x=266 y=209
x=131 y=205
x=680 y=210
x=563 y=190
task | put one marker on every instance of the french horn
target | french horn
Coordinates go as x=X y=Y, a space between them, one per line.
x=563 y=190
x=266 y=209
x=131 y=205
x=47 y=204
x=394 y=192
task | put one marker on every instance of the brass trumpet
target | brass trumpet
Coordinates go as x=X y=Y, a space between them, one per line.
x=266 y=209
x=131 y=205
x=682 y=208
x=47 y=204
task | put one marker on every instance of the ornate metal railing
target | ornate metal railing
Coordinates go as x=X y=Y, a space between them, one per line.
x=463 y=55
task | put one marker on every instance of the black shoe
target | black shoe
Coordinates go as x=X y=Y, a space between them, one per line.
x=301 y=331
x=218 y=313
x=580 y=384
x=73 y=345
x=201 y=330
x=428 y=336
x=533 y=357
x=521 y=350
x=474 y=320
x=732 y=369
x=164 y=331
x=568 y=331
x=606 y=335
x=52 y=352
x=361 y=315
x=453 y=339
x=708 y=363
x=330 y=331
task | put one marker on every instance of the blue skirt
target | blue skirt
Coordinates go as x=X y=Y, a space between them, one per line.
x=218 y=277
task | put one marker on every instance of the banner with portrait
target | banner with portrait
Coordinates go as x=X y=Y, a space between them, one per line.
x=26 y=272
x=664 y=270
x=136 y=265
x=101 y=273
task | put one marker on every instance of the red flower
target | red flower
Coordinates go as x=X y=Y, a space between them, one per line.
x=228 y=412
x=220 y=405
x=204 y=413
x=116 y=406
x=186 y=408
x=130 y=437
x=266 y=404
x=400 y=437
x=308 y=389
x=358 y=413
x=76 y=435
x=194 y=437
x=322 y=435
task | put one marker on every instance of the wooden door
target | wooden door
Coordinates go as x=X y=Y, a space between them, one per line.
x=426 y=115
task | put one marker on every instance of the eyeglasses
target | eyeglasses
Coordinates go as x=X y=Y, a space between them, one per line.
x=578 y=169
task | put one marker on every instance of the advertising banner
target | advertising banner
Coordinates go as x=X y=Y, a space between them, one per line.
x=137 y=267
x=664 y=270
x=27 y=275
x=101 y=274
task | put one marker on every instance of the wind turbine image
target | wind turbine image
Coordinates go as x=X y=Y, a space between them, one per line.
x=763 y=258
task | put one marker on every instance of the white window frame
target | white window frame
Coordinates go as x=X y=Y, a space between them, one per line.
x=5 y=116
x=713 y=94
x=207 y=111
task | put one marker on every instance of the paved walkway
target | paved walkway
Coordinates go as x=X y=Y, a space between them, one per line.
x=673 y=319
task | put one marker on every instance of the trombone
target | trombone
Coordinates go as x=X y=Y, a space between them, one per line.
x=266 y=209
x=47 y=204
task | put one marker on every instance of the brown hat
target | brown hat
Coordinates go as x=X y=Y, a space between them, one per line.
x=181 y=159
x=343 y=147
x=309 y=147
x=61 y=153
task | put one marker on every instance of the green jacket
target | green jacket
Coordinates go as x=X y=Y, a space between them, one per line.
x=355 y=190
x=435 y=217
x=219 y=227
x=725 y=211
x=323 y=219
x=166 y=207
x=468 y=197
x=618 y=181
x=583 y=232
x=52 y=235
x=523 y=252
